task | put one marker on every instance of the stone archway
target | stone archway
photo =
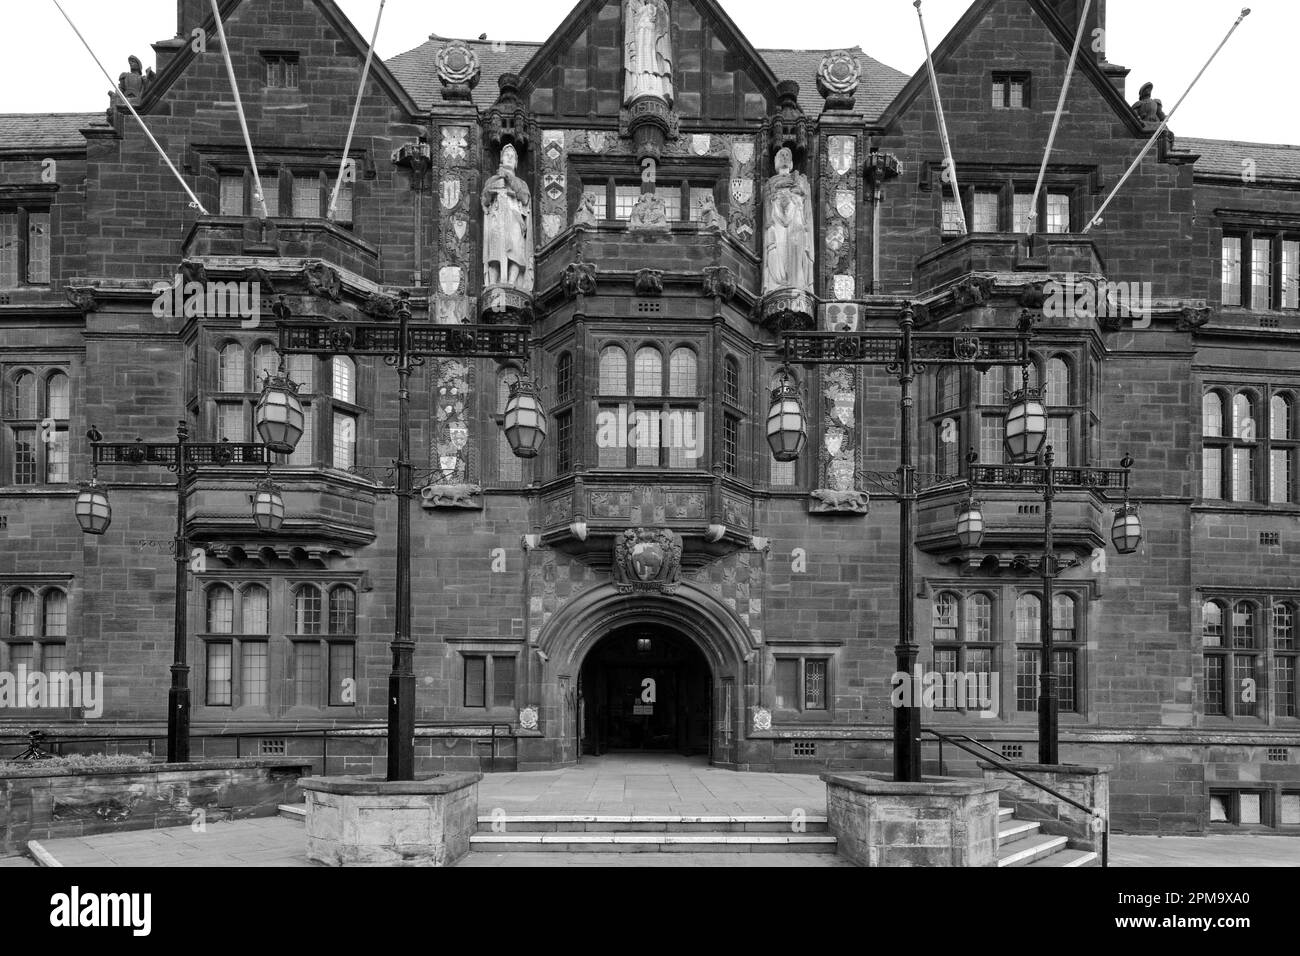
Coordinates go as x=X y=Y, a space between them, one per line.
x=576 y=628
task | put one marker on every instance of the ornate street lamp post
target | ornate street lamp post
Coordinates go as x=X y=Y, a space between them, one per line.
x=1126 y=534
x=405 y=347
x=94 y=514
x=905 y=353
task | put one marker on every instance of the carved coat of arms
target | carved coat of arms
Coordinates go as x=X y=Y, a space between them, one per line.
x=647 y=559
x=449 y=279
x=450 y=194
x=597 y=140
x=841 y=151
x=701 y=143
x=743 y=153
x=845 y=203
x=455 y=142
x=742 y=191
x=553 y=144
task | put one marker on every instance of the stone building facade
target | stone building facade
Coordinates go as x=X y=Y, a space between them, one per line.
x=660 y=202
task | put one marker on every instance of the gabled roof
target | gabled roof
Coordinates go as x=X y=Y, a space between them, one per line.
x=35 y=131
x=1086 y=67
x=1222 y=157
x=417 y=70
x=329 y=9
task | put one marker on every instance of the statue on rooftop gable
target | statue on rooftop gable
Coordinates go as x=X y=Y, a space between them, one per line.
x=649 y=50
x=1150 y=111
x=135 y=82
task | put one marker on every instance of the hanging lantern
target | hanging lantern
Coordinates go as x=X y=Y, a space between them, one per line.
x=280 y=419
x=268 y=507
x=1126 y=532
x=787 y=430
x=1026 y=426
x=93 y=511
x=970 y=525
x=525 y=420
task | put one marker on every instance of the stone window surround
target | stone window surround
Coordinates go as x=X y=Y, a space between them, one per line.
x=1262 y=395
x=1077 y=181
x=1277 y=229
x=490 y=653
x=221 y=161
x=42 y=372
x=592 y=173
x=1265 y=652
x=280 y=637
x=801 y=652
x=24 y=199
x=39 y=636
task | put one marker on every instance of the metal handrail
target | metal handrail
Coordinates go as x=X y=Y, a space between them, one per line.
x=997 y=761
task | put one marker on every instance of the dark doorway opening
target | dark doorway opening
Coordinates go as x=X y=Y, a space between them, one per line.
x=646 y=689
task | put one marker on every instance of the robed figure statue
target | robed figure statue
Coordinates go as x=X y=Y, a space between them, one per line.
x=507 y=235
x=648 y=41
x=788 y=250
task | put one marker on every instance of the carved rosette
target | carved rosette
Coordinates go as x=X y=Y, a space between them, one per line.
x=762 y=719
x=528 y=718
x=647 y=559
x=458 y=70
x=838 y=78
x=788 y=310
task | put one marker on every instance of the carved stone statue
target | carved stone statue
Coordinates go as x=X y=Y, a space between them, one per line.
x=649 y=50
x=650 y=214
x=1150 y=111
x=134 y=83
x=507 y=232
x=788 y=242
x=710 y=218
x=586 y=214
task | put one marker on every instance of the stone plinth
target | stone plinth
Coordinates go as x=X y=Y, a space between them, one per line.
x=937 y=822
x=368 y=821
x=1087 y=785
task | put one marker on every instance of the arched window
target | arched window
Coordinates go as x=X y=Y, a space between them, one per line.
x=979 y=618
x=58 y=397
x=25 y=396
x=345 y=379
x=945 y=617
x=1212 y=624
x=649 y=382
x=1212 y=415
x=1280 y=425
x=1243 y=417
x=947 y=389
x=54 y=614
x=731 y=380
x=22 y=613
x=683 y=377
x=1058 y=383
x=564 y=378
x=230 y=368
x=1283 y=626
x=1243 y=624
x=613 y=371
x=1064 y=625
x=266 y=361
x=343 y=610
x=307 y=610
x=993 y=386
x=1029 y=619
x=221 y=609
x=255 y=610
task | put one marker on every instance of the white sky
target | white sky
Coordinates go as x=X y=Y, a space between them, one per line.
x=1248 y=93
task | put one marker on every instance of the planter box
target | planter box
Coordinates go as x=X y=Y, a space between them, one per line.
x=368 y=821
x=40 y=803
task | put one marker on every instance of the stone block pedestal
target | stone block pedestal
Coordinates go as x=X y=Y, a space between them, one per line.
x=937 y=822
x=367 y=821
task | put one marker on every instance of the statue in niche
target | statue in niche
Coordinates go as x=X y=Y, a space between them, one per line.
x=586 y=214
x=650 y=214
x=648 y=41
x=507 y=238
x=788 y=244
x=710 y=218
x=1150 y=111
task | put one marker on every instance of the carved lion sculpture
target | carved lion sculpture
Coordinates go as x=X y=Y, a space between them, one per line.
x=451 y=496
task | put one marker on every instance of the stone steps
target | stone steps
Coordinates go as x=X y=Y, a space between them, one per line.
x=647 y=823
x=1025 y=850
x=649 y=833
x=293 y=811
x=1021 y=843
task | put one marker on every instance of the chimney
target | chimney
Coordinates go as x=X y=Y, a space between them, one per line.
x=1094 y=36
x=190 y=15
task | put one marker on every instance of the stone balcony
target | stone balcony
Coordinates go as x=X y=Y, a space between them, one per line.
x=1008 y=253
x=238 y=238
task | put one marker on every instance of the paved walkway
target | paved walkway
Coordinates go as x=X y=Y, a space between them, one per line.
x=1217 y=850
x=633 y=784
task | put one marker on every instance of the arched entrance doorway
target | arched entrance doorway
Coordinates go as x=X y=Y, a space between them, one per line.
x=645 y=689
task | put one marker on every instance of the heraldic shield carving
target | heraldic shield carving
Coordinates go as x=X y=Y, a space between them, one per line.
x=647 y=559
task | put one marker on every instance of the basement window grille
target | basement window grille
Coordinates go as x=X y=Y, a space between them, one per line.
x=1270 y=539
x=272 y=747
x=805 y=748
x=1269 y=322
x=4 y=522
x=4 y=298
x=1013 y=751
x=1031 y=509
x=1279 y=755
x=649 y=307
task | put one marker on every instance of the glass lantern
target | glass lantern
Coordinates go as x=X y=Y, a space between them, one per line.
x=787 y=429
x=970 y=525
x=1126 y=531
x=280 y=419
x=525 y=420
x=93 y=511
x=1026 y=426
x=268 y=507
